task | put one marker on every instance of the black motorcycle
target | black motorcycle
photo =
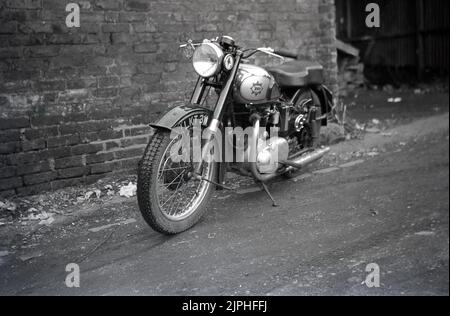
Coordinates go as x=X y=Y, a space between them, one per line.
x=281 y=108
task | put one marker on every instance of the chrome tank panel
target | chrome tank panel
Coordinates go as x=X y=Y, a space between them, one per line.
x=255 y=85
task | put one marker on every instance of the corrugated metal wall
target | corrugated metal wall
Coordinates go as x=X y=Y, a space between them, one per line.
x=436 y=39
x=413 y=33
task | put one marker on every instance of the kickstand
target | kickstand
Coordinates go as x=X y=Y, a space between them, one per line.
x=264 y=186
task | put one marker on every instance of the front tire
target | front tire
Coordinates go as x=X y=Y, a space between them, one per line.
x=153 y=183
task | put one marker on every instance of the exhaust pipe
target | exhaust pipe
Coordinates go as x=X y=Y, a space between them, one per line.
x=296 y=163
x=306 y=159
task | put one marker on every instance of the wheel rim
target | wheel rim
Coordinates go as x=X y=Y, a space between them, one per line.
x=178 y=195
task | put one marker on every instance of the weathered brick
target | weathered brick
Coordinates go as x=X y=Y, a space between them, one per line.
x=21 y=86
x=131 y=141
x=139 y=130
x=41 y=132
x=67 y=140
x=110 y=134
x=111 y=16
x=34 y=189
x=137 y=5
x=127 y=164
x=96 y=158
x=102 y=168
x=86 y=149
x=108 y=82
x=37 y=156
x=112 y=145
x=115 y=28
x=107 y=92
x=80 y=83
x=28 y=145
x=146 y=78
x=84 y=127
x=67 y=39
x=144 y=27
x=10 y=52
x=51 y=85
x=13 y=123
x=132 y=16
x=120 y=38
x=11 y=147
x=7 y=193
x=42 y=51
x=7 y=172
x=39 y=177
x=67 y=162
x=24 y=4
x=45 y=120
x=73 y=95
x=146 y=47
x=63 y=183
x=151 y=68
x=93 y=178
x=127 y=153
x=33 y=168
x=72 y=172
x=8 y=27
x=10 y=183
x=107 y=4
x=35 y=27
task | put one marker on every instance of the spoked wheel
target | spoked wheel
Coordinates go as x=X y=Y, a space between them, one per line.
x=170 y=199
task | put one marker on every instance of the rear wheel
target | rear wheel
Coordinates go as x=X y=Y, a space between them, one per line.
x=308 y=137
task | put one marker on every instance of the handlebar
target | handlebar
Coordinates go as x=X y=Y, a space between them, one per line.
x=280 y=53
x=285 y=53
x=270 y=51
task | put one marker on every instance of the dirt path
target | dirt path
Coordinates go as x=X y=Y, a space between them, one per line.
x=385 y=202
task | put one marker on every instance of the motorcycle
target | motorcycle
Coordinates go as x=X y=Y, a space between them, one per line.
x=282 y=108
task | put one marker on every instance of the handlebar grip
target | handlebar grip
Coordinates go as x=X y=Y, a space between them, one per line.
x=285 y=53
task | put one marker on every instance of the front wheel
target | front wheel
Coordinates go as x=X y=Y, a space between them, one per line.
x=170 y=199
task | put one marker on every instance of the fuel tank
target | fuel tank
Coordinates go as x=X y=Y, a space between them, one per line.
x=254 y=85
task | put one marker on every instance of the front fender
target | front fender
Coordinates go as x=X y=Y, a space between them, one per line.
x=176 y=115
x=170 y=119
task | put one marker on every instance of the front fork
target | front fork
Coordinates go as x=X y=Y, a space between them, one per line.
x=214 y=123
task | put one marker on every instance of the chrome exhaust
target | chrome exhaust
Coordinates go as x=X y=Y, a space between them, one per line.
x=305 y=159
x=295 y=163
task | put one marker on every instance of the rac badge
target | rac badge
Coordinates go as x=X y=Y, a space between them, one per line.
x=257 y=88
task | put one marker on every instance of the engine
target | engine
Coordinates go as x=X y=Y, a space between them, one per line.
x=270 y=152
x=290 y=118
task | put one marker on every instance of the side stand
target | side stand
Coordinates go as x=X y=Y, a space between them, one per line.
x=264 y=186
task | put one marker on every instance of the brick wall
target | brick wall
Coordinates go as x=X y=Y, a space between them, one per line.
x=74 y=103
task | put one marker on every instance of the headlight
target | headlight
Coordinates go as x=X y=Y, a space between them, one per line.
x=207 y=59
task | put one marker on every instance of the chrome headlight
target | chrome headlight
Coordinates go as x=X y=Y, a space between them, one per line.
x=207 y=59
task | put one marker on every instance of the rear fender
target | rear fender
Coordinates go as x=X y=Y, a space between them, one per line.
x=328 y=96
x=325 y=99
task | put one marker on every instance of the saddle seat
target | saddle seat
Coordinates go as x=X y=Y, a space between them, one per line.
x=298 y=73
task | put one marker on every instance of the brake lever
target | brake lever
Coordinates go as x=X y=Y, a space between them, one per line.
x=189 y=43
x=269 y=51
